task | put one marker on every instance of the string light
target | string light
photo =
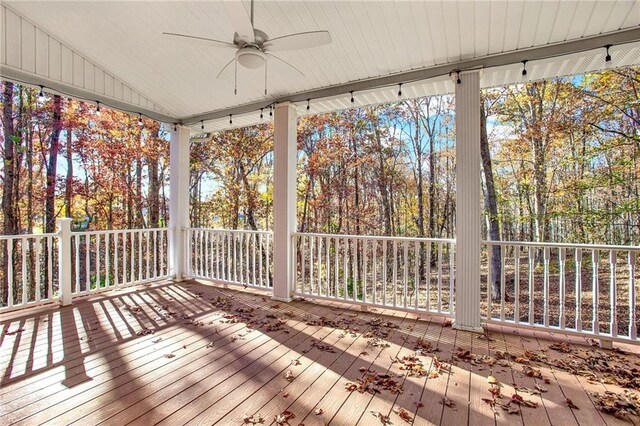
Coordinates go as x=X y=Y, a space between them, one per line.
x=352 y=99
x=175 y=127
x=98 y=109
x=202 y=124
x=270 y=110
x=41 y=94
x=524 y=68
x=399 y=90
x=308 y=105
x=607 y=58
x=261 y=111
x=230 y=118
x=458 y=81
x=140 y=119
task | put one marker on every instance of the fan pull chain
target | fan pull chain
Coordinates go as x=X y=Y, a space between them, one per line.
x=235 y=82
x=265 y=76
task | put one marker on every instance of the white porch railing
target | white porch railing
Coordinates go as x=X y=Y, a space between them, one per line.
x=28 y=273
x=582 y=288
x=576 y=288
x=99 y=261
x=103 y=260
x=241 y=257
x=402 y=273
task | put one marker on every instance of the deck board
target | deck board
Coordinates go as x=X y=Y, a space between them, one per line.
x=104 y=361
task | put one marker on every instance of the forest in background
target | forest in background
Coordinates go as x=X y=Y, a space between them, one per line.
x=559 y=157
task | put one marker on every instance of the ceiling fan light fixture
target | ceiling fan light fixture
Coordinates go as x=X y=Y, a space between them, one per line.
x=250 y=57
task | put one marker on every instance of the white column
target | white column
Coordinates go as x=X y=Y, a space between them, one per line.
x=178 y=200
x=284 y=198
x=64 y=261
x=468 y=202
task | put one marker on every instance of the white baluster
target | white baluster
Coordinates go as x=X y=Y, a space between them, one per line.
x=532 y=257
x=374 y=266
x=395 y=272
x=439 y=277
x=365 y=244
x=327 y=242
x=578 y=261
x=516 y=283
x=416 y=273
x=613 y=294
x=546 y=285
x=503 y=286
x=562 y=258
x=490 y=273
x=428 y=276
x=38 y=243
x=595 y=259
x=384 y=272
x=633 y=330
x=25 y=278
x=10 y=264
x=405 y=273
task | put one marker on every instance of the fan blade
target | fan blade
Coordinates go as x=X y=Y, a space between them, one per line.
x=298 y=41
x=202 y=40
x=226 y=72
x=240 y=20
x=285 y=62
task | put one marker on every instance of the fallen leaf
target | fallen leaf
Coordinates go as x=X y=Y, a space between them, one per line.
x=448 y=402
x=289 y=375
x=570 y=403
x=403 y=414
x=254 y=420
x=318 y=411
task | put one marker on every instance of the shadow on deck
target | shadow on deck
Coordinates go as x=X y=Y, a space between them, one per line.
x=188 y=352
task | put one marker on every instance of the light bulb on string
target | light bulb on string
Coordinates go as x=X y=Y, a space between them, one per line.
x=458 y=81
x=308 y=104
x=261 y=113
x=270 y=110
x=352 y=98
x=98 y=109
x=201 y=124
x=524 y=68
x=399 y=90
x=230 y=118
x=607 y=59
x=175 y=127
x=140 y=119
x=41 y=94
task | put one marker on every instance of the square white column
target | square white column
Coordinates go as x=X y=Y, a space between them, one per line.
x=284 y=198
x=468 y=214
x=178 y=201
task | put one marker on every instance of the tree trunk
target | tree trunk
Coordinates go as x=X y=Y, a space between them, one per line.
x=68 y=193
x=52 y=166
x=491 y=204
x=154 y=190
x=10 y=225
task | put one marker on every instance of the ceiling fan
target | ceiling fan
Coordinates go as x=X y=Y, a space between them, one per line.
x=254 y=47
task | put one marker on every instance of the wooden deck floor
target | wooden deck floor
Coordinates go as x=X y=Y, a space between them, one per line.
x=192 y=353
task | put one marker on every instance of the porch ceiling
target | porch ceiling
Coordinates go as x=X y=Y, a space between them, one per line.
x=174 y=80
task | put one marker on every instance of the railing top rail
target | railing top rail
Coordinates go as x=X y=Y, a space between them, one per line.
x=563 y=245
x=21 y=236
x=375 y=237
x=242 y=231
x=113 y=231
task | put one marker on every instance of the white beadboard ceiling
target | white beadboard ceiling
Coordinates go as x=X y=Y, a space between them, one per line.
x=370 y=39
